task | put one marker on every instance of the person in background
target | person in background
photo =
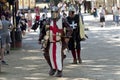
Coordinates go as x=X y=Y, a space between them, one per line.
x=102 y=16
x=29 y=20
x=116 y=15
x=23 y=24
x=7 y=14
x=45 y=10
x=18 y=17
x=95 y=14
x=0 y=39
x=5 y=37
x=36 y=22
x=9 y=29
x=37 y=10
x=42 y=21
x=113 y=11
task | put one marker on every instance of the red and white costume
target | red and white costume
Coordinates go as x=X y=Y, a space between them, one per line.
x=55 y=50
x=57 y=32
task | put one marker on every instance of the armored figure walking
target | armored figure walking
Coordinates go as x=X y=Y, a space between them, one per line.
x=56 y=34
x=74 y=42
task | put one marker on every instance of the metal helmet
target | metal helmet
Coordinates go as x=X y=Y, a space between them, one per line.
x=71 y=8
x=55 y=12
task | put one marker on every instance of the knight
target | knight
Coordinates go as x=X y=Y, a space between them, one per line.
x=74 y=42
x=56 y=35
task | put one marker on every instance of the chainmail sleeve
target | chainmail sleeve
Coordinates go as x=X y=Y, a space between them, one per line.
x=68 y=28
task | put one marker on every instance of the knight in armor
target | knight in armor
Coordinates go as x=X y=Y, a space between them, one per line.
x=74 y=42
x=55 y=36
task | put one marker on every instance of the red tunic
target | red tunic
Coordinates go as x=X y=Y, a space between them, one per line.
x=37 y=17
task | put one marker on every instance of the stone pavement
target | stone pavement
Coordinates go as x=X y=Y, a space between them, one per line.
x=100 y=54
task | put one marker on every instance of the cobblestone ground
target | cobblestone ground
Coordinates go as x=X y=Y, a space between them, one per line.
x=100 y=54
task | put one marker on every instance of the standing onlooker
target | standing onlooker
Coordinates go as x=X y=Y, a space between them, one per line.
x=5 y=36
x=0 y=35
x=23 y=24
x=37 y=10
x=113 y=10
x=0 y=38
x=29 y=20
x=116 y=16
x=85 y=5
x=7 y=14
x=51 y=5
x=95 y=12
x=42 y=20
x=45 y=10
x=36 y=22
x=102 y=16
x=76 y=7
x=18 y=17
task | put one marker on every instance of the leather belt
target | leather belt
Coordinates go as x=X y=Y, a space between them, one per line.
x=55 y=41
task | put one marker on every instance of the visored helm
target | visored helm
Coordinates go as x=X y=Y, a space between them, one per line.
x=55 y=12
x=71 y=9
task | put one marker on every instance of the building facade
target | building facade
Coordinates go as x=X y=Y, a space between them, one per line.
x=108 y=4
x=26 y=4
